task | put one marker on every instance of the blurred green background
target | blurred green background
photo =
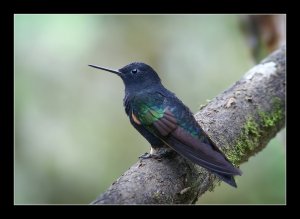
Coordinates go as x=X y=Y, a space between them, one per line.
x=72 y=137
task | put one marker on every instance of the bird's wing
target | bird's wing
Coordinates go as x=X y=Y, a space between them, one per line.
x=158 y=118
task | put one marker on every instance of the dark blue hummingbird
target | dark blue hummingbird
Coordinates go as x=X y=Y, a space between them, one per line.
x=164 y=120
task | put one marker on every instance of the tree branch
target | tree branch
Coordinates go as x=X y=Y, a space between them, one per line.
x=241 y=121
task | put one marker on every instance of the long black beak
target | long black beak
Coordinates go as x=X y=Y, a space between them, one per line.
x=106 y=69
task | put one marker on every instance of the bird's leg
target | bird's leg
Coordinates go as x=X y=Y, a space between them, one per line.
x=157 y=153
x=148 y=155
x=145 y=156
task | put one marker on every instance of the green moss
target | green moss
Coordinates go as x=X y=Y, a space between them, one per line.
x=271 y=119
x=252 y=131
x=247 y=141
x=216 y=182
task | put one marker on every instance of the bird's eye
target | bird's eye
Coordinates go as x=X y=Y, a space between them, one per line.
x=134 y=71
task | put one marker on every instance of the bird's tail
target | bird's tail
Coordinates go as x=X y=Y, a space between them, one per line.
x=229 y=179
x=204 y=155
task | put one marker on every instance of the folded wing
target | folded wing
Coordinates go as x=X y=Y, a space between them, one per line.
x=163 y=123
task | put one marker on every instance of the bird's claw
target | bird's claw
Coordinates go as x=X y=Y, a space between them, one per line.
x=146 y=156
x=159 y=154
x=149 y=155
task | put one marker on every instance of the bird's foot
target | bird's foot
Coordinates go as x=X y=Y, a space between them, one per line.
x=145 y=156
x=158 y=153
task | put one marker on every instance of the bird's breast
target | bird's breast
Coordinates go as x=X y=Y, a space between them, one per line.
x=127 y=104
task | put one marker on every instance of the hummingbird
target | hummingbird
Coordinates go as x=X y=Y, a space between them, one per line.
x=158 y=115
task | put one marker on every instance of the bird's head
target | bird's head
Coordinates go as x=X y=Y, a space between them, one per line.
x=136 y=74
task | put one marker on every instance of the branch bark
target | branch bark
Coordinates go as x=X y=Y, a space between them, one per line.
x=241 y=121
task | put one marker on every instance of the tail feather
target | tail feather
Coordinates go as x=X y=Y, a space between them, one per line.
x=210 y=159
x=229 y=179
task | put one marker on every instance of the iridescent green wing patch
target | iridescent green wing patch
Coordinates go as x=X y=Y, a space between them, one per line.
x=153 y=115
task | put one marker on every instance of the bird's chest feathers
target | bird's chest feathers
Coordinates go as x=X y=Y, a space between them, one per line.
x=129 y=109
x=127 y=104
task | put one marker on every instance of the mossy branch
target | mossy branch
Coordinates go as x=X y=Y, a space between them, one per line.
x=241 y=121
